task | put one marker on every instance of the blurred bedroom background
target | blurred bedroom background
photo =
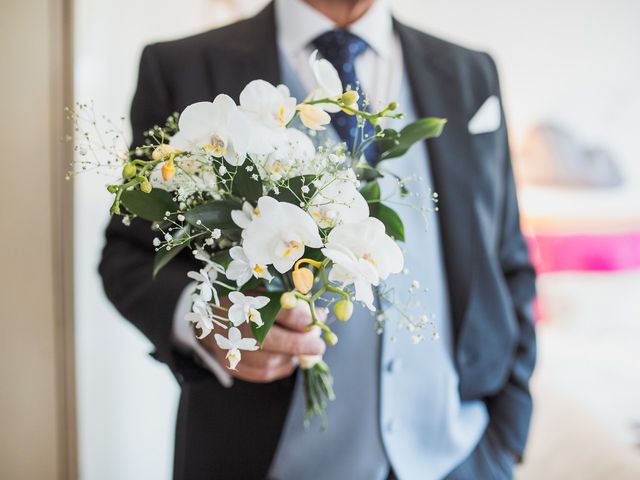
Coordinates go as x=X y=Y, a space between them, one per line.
x=570 y=74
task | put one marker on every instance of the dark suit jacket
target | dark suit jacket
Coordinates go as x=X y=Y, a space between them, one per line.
x=491 y=281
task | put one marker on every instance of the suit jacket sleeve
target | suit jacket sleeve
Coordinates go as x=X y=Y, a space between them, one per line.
x=510 y=409
x=127 y=259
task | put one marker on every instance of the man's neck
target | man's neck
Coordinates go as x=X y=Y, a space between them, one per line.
x=342 y=12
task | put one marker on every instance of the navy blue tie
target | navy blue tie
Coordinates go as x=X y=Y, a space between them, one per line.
x=341 y=48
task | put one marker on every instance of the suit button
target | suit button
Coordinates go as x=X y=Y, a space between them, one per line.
x=394 y=365
x=390 y=426
x=466 y=358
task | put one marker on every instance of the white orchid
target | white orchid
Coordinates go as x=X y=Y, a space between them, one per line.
x=279 y=235
x=202 y=317
x=270 y=105
x=245 y=308
x=290 y=158
x=244 y=217
x=205 y=278
x=338 y=201
x=241 y=269
x=211 y=267
x=362 y=255
x=328 y=83
x=234 y=343
x=218 y=127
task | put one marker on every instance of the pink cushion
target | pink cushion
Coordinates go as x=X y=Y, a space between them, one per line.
x=585 y=252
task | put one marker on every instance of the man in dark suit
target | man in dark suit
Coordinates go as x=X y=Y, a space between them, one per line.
x=487 y=280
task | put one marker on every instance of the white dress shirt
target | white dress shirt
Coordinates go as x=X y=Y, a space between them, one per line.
x=379 y=69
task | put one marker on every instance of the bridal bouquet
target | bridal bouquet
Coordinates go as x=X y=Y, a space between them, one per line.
x=274 y=219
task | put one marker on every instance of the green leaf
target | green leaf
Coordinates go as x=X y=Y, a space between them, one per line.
x=392 y=223
x=366 y=172
x=371 y=192
x=417 y=131
x=222 y=257
x=164 y=256
x=150 y=206
x=214 y=214
x=388 y=140
x=314 y=254
x=244 y=185
x=268 y=314
x=294 y=185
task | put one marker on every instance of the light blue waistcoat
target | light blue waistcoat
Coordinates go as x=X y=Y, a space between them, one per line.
x=397 y=403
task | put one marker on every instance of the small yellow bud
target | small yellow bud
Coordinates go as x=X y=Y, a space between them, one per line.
x=168 y=170
x=158 y=154
x=161 y=151
x=343 y=310
x=392 y=106
x=112 y=188
x=129 y=170
x=145 y=186
x=288 y=300
x=303 y=279
x=330 y=337
x=350 y=97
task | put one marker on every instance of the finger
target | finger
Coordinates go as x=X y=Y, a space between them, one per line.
x=263 y=375
x=321 y=313
x=281 y=340
x=297 y=318
x=262 y=359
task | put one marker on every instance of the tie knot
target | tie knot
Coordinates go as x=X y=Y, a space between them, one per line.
x=341 y=48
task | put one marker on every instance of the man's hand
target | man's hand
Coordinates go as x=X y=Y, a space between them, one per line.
x=277 y=359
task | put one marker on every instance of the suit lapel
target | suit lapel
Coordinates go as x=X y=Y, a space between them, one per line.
x=250 y=52
x=436 y=93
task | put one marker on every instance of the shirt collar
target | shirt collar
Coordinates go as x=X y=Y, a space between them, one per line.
x=298 y=24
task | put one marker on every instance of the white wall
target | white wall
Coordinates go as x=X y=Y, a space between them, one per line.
x=126 y=400
x=575 y=61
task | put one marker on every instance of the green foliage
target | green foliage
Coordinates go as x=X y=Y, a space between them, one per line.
x=387 y=139
x=150 y=206
x=393 y=146
x=164 y=256
x=268 y=314
x=214 y=214
x=371 y=192
x=366 y=172
x=392 y=223
x=244 y=185
x=294 y=185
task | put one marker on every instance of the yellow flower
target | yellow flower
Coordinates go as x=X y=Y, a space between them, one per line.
x=350 y=97
x=343 y=310
x=303 y=279
x=313 y=117
x=168 y=170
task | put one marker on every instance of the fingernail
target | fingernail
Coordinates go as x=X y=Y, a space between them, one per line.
x=303 y=307
x=319 y=345
x=315 y=331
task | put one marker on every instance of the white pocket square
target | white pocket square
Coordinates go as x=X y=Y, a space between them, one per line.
x=487 y=118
